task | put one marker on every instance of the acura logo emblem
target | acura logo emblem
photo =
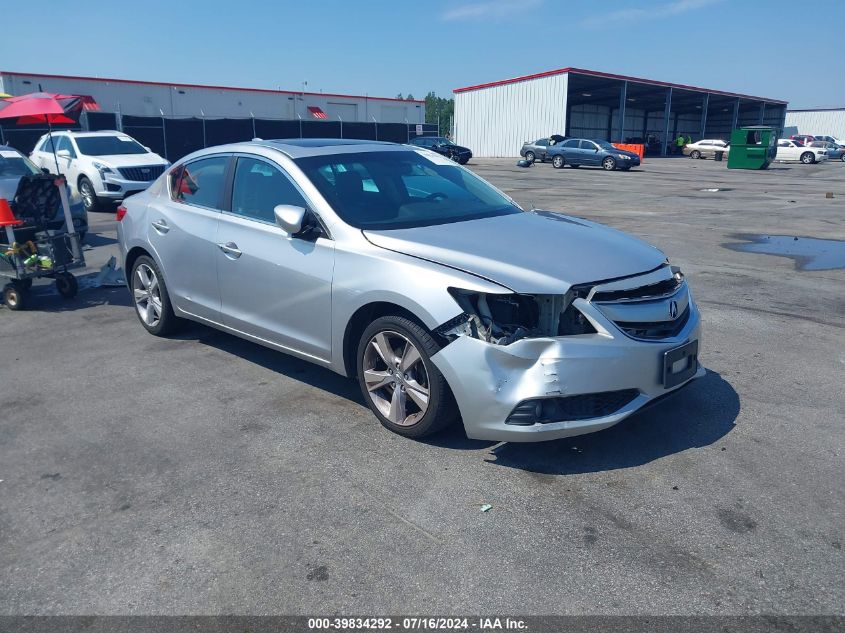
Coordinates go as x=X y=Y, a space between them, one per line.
x=673 y=309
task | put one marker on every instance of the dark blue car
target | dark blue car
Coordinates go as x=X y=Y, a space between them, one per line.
x=576 y=152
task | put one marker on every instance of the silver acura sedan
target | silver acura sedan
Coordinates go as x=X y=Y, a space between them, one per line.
x=393 y=264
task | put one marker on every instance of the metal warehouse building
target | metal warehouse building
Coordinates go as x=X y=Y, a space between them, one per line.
x=494 y=119
x=150 y=98
x=818 y=122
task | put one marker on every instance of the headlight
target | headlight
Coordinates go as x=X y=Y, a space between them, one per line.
x=677 y=274
x=103 y=169
x=624 y=156
x=503 y=319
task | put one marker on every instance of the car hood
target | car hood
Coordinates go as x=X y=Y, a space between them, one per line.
x=128 y=160
x=9 y=187
x=537 y=252
x=455 y=148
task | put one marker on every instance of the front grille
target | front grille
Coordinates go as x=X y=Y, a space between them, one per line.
x=584 y=406
x=141 y=174
x=652 y=291
x=656 y=330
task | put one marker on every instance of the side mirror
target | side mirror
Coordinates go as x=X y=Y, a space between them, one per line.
x=290 y=218
x=148 y=149
x=63 y=153
x=44 y=170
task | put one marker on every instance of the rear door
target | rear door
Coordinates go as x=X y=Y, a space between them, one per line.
x=571 y=151
x=542 y=147
x=183 y=232
x=273 y=286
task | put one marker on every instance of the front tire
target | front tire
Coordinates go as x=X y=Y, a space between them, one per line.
x=695 y=154
x=609 y=163
x=808 y=158
x=14 y=296
x=558 y=162
x=530 y=157
x=400 y=384
x=149 y=294
x=89 y=197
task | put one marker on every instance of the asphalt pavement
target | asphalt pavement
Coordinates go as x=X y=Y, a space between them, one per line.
x=202 y=474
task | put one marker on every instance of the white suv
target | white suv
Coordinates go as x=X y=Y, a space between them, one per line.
x=99 y=166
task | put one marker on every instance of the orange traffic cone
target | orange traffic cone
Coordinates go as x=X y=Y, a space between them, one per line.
x=7 y=218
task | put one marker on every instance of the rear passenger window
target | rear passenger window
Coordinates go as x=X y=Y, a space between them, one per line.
x=200 y=182
x=259 y=187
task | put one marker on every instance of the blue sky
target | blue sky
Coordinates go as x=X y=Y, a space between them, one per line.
x=783 y=49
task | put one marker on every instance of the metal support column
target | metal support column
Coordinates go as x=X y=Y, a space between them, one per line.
x=735 y=121
x=623 y=98
x=666 y=112
x=704 y=106
x=762 y=113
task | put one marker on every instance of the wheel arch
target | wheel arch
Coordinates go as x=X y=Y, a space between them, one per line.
x=359 y=321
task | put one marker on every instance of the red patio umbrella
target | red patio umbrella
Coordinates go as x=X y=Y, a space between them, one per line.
x=46 y=107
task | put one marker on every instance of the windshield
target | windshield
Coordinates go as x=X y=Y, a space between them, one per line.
x=604 y=145
x=391 y=190
x=108 y=145
x=13 y=165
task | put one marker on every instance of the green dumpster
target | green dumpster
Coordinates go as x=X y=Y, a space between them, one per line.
x=752 y=147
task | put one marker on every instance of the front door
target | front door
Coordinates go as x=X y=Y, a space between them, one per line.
x=273 y=286
x=590 y=154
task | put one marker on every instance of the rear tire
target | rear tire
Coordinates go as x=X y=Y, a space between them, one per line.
x=151 y=299
x=808 y=158
x=609 y=163
x=558 y=162
x=695 y=154
x=66 y=285
x=400 y=384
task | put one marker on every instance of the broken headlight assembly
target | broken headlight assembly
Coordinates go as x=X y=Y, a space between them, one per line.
x=503 y=319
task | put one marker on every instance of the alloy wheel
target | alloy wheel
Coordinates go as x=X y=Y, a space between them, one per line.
x=147 y=294
x=609 y=163
x=396 y=378
x=87 y=194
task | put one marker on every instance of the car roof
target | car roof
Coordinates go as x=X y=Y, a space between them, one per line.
x=94 y=133
x=304 y=147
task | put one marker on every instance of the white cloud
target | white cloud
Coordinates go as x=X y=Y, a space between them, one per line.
x=665 y=10
x=488 y=9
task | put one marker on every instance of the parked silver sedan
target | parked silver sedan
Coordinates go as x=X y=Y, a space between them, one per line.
x=393 y=264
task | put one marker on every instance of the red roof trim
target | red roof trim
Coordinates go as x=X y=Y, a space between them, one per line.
x=181 y=85
x=595 y=73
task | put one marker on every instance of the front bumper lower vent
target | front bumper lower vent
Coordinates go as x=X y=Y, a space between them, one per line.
x=584 y=406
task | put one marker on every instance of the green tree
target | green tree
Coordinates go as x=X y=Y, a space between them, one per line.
x=439 y=111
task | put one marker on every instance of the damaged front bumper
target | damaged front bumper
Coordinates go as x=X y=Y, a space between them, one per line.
x=590 y=381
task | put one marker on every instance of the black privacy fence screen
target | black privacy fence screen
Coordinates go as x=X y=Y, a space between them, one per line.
x=174 y=137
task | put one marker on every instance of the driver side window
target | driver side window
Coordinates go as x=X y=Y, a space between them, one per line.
x=259 y=187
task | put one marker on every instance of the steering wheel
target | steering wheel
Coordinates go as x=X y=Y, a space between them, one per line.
x=436 y=195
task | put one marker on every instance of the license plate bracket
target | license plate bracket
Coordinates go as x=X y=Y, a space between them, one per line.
x=685 y=356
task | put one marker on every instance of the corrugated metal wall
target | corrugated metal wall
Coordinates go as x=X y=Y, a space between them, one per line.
x=146 y=99
x=496 y=121
x=817 y=122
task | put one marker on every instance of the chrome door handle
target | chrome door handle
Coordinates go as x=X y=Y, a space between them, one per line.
x=230 y=248
x=161 y=226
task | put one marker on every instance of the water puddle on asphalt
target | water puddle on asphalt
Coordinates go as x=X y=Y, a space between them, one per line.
x=809 y=253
